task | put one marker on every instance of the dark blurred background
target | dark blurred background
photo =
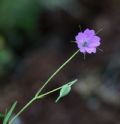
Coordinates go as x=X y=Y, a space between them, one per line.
x=35 y=39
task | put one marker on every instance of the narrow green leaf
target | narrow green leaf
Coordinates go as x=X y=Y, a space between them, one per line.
x=9 y=113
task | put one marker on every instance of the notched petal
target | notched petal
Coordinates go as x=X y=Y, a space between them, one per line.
x=89 y=33
x=94 y=41
x=79 y=36
x=90 y=50
x=82 y=49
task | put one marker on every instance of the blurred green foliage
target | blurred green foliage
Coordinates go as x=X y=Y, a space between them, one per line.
x=6 y=57
x=18 y=13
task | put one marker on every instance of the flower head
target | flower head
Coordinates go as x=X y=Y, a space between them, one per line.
x=87 y=41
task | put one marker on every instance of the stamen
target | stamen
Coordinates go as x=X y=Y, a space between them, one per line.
x=84 y=44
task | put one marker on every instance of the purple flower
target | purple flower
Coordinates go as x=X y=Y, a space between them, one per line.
x=87 y=41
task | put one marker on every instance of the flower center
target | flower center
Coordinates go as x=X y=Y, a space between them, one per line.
x=84 y=44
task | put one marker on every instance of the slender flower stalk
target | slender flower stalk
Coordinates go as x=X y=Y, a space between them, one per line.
x=55 y=73
x=37 y=95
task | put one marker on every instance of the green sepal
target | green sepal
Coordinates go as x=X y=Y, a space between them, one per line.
x=64 y=91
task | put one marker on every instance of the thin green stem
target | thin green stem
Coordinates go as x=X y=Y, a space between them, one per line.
x=22 y=110
x=32 y=100
x=37 y=96
x=47 y=93
x=54 y=74
x=56 y=89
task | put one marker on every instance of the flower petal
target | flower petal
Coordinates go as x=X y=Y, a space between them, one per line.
x=80 y=37
x=90 y=50
x=94 y=41
x=82 y=49
x=89 y=33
